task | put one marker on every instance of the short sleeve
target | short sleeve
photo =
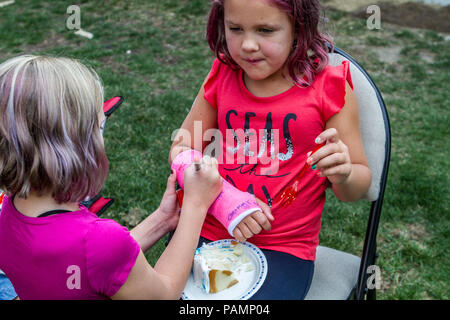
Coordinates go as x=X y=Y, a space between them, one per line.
x=333 y=93
x=111 y=253
x=212 y=84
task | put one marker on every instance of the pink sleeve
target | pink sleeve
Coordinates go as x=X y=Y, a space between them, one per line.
x=111 y=253
x=333 y=95
x=211 y=84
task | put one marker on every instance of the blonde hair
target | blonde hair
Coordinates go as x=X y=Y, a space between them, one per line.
x=49 y=128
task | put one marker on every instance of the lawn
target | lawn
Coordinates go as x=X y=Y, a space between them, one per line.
x=154 y=54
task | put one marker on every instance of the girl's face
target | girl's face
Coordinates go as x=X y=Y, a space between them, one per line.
x=259 y=37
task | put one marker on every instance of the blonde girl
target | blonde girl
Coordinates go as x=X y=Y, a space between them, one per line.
x=51 y=157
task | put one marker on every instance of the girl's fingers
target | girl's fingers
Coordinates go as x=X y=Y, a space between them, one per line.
x=261 y=219
x=329 y=135
x=210 y=162
x=265 y=209
x=206 y=160
x=330 y=139
x=197 y=164
x=342 y=170
x=332 y=160
x=171 y=182
x=242 y=232
x=323 y=152
x=252 y=224
x=246 y=232
x=171 y=179
x=238 y=235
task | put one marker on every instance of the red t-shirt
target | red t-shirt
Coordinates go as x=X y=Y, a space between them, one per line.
x=265 y=147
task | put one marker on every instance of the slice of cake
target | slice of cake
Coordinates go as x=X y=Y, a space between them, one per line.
x=217 y=267
x=220 y=280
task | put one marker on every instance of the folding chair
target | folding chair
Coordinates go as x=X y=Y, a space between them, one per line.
x=98 y=204
x=339 y=275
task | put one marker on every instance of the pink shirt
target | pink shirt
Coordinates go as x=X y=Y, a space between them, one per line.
x=73 y=255
x=300 y=115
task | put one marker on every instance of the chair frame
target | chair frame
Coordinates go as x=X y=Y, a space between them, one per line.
x=369 y=254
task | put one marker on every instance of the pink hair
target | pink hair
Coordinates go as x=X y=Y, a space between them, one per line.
x=305 y=15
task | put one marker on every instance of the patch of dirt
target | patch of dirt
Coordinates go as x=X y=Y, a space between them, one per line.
x=390 y=55
x=412 y=14
x=353 y=5
x=113 y=64
x=411 y=232
x=400 y=12
x=53 y=40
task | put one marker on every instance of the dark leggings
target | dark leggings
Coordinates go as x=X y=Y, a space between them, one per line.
x=288 y=277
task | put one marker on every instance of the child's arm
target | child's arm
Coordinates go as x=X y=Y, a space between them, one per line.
x=203 y=113
x=168 y=278
x=160 y=222
x=342 y=160
x=201 y=118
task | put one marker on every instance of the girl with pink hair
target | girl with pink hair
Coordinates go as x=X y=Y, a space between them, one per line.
x=272 y=96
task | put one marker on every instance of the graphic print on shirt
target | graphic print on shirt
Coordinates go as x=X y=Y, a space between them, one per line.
x=253 y=149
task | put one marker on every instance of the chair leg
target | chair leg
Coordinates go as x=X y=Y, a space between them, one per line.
x=372 y=293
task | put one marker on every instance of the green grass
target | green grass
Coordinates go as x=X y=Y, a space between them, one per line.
x=160 y=77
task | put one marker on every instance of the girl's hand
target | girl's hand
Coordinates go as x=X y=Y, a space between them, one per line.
x=169 y=209
x=254 y=223
x=202 y=183
x=333 y=159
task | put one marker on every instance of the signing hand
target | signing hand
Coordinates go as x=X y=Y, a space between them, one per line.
x=169 y=209
x=202 y=183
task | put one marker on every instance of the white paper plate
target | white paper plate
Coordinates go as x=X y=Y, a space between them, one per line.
x=249 y=282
